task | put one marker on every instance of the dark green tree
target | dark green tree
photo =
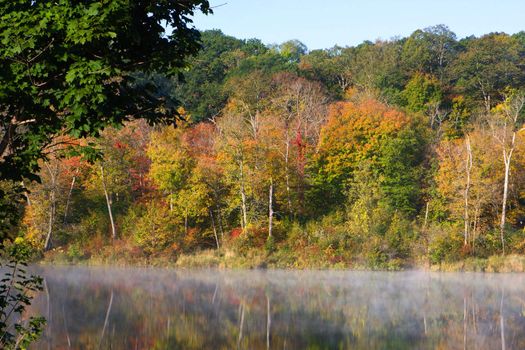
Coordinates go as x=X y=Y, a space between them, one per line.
x=430 y=50
x=488 y=66
x=202 y=89
x=70 y=67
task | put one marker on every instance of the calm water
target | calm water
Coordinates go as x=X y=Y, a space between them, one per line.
x=99 y=308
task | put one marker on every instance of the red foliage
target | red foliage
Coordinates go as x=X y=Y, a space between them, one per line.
x=301 y=147
x=236 y=232
x=119 y=145
x=200 y=139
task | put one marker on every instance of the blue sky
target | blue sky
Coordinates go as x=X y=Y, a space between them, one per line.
x=323 y=23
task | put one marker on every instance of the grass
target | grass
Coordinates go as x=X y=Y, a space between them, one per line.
x=308 y=257
x=495 y=263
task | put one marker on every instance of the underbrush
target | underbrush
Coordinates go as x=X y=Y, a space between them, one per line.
x=495 y=263
x=333 y=242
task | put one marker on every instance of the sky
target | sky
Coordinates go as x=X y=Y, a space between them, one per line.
x=322 y=24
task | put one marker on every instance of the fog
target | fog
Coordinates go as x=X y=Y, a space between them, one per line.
x=131 y=308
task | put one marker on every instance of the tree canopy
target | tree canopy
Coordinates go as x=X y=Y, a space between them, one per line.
x=71 y=67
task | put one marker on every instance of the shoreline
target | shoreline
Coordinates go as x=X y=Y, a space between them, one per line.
x=211 y=259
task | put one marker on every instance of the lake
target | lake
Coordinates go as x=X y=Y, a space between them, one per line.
x=140 y=308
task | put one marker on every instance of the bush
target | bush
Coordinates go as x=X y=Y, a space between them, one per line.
x=399 y=236
x=75 y=252
x=156 y=229
x=252 y=237
x=92 y=225
x=20 y=249
x=375 y=253
x=269 y=246
x=445 y=244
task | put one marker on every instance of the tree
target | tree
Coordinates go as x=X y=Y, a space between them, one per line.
x=202 y=90
x=488 y=66
x=467 y=179
x=378 y=69
x=269 y=167
x=174 y=170
x=292 y=50
x=48 y=201
x=430 y=51
x=354 y=132
x=202 y=144
x=70 y=68
x=112 y=178
x=423 y=94
x=233 y=155
x=505 y=126
x=400 y=168
x=171 y=163
x=329 y=68
x=301 y=106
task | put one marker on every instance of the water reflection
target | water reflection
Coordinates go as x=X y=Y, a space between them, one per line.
x=96 y=308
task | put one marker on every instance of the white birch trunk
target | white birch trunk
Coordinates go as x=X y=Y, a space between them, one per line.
x=52 y=209
x=468 y=169
x=108 y=203
x=214 y=229
x=270 y=209
x=244 y=220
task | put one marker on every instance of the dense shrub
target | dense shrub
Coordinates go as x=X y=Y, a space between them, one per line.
x=156 y=229
x=445 y=244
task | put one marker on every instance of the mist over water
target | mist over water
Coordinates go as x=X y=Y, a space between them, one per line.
x=131 y=308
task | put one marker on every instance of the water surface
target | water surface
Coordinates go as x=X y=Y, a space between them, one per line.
x=131 y=308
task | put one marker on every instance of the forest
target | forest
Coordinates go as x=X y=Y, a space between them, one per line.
x=390 y=154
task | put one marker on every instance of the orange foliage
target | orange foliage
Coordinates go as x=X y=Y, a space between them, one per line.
x=354 y=131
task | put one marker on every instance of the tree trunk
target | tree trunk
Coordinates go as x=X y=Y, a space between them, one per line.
x=219 y=216
x=475 y=227
x=504 y=205
x=26 y=193
x=52 y=209
x=214 y=229
x=468 y=169
x=270 y=209
x=507 y=157
x=287 y=172
x=48 y=245
x=426 y=215
x=69 y=198
x=244 y=220
x=7 y=138
x=108 y=202
x=486 y=96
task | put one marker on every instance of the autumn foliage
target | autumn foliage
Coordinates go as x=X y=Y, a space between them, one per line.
x=378 y=156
